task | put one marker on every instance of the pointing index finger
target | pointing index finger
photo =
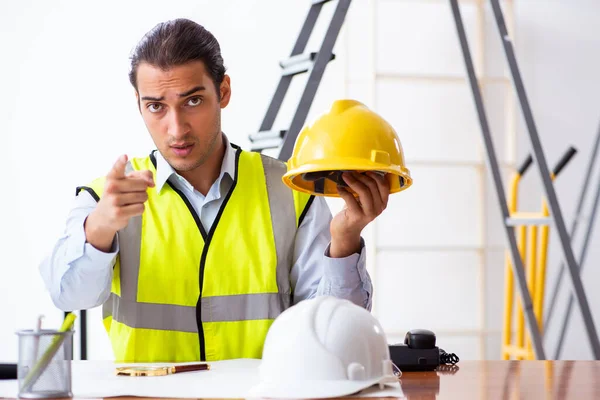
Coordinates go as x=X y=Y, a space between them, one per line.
x=118 y=169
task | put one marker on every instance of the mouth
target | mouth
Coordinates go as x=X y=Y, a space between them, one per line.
x=182 y=150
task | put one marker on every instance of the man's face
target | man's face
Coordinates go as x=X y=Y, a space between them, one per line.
x=182 y=111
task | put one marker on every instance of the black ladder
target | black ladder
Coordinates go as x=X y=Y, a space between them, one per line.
x=299 y=63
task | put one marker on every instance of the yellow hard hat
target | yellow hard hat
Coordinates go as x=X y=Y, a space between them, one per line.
x=349 y=137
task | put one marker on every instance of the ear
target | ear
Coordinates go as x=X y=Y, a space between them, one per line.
x=225 y=91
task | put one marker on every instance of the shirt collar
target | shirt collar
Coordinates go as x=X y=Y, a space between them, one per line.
x=164 y=170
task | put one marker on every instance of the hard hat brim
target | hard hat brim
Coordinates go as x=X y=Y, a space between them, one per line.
x=293 y=177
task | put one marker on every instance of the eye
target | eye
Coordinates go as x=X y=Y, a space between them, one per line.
x=154 y=107
x=194 y=101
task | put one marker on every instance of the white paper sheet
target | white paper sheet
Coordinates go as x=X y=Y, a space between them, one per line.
x=226 y=380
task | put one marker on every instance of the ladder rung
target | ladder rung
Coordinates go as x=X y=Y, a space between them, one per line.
x=264 y=135
x=299 y=64
x=517 y=219
x=265 y=144
x=516 y=351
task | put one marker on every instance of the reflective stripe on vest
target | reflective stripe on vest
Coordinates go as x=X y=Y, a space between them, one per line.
x=234 y=324
x=182 y=318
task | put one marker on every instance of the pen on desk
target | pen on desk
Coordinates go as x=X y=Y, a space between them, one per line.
x=188 y=368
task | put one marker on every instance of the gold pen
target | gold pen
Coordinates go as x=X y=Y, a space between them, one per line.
x=160 y=371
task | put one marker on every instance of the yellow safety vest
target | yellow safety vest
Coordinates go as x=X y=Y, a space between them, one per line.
x=182 y=294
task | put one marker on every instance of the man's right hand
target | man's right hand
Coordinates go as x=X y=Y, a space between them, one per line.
x=123 y=198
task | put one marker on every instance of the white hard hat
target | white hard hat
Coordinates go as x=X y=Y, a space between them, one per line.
x=323 y=347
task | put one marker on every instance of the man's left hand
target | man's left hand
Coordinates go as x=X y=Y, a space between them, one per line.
x=373 y=191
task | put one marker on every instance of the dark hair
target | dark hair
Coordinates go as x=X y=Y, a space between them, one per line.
x=177 y=42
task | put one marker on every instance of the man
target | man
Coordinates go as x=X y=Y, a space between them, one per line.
x=194 y=250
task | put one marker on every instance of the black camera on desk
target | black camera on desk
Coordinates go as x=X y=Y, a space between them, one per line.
x=419 y=352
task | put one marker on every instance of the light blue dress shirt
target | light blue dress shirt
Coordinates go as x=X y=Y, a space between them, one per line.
x=78 y=276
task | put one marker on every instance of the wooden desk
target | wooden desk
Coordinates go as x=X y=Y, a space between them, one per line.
x=506 y=380
x=500 y=380
x=491 y=380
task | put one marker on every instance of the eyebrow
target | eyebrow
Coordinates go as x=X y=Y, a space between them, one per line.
x=184 y=94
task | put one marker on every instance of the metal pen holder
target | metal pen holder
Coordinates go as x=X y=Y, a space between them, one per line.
x=44 y=367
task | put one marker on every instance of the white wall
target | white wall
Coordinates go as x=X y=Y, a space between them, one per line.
x=437 y=251
x=440 y=256
x=436 y=255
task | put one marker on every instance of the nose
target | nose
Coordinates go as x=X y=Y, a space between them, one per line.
x=178 y=127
